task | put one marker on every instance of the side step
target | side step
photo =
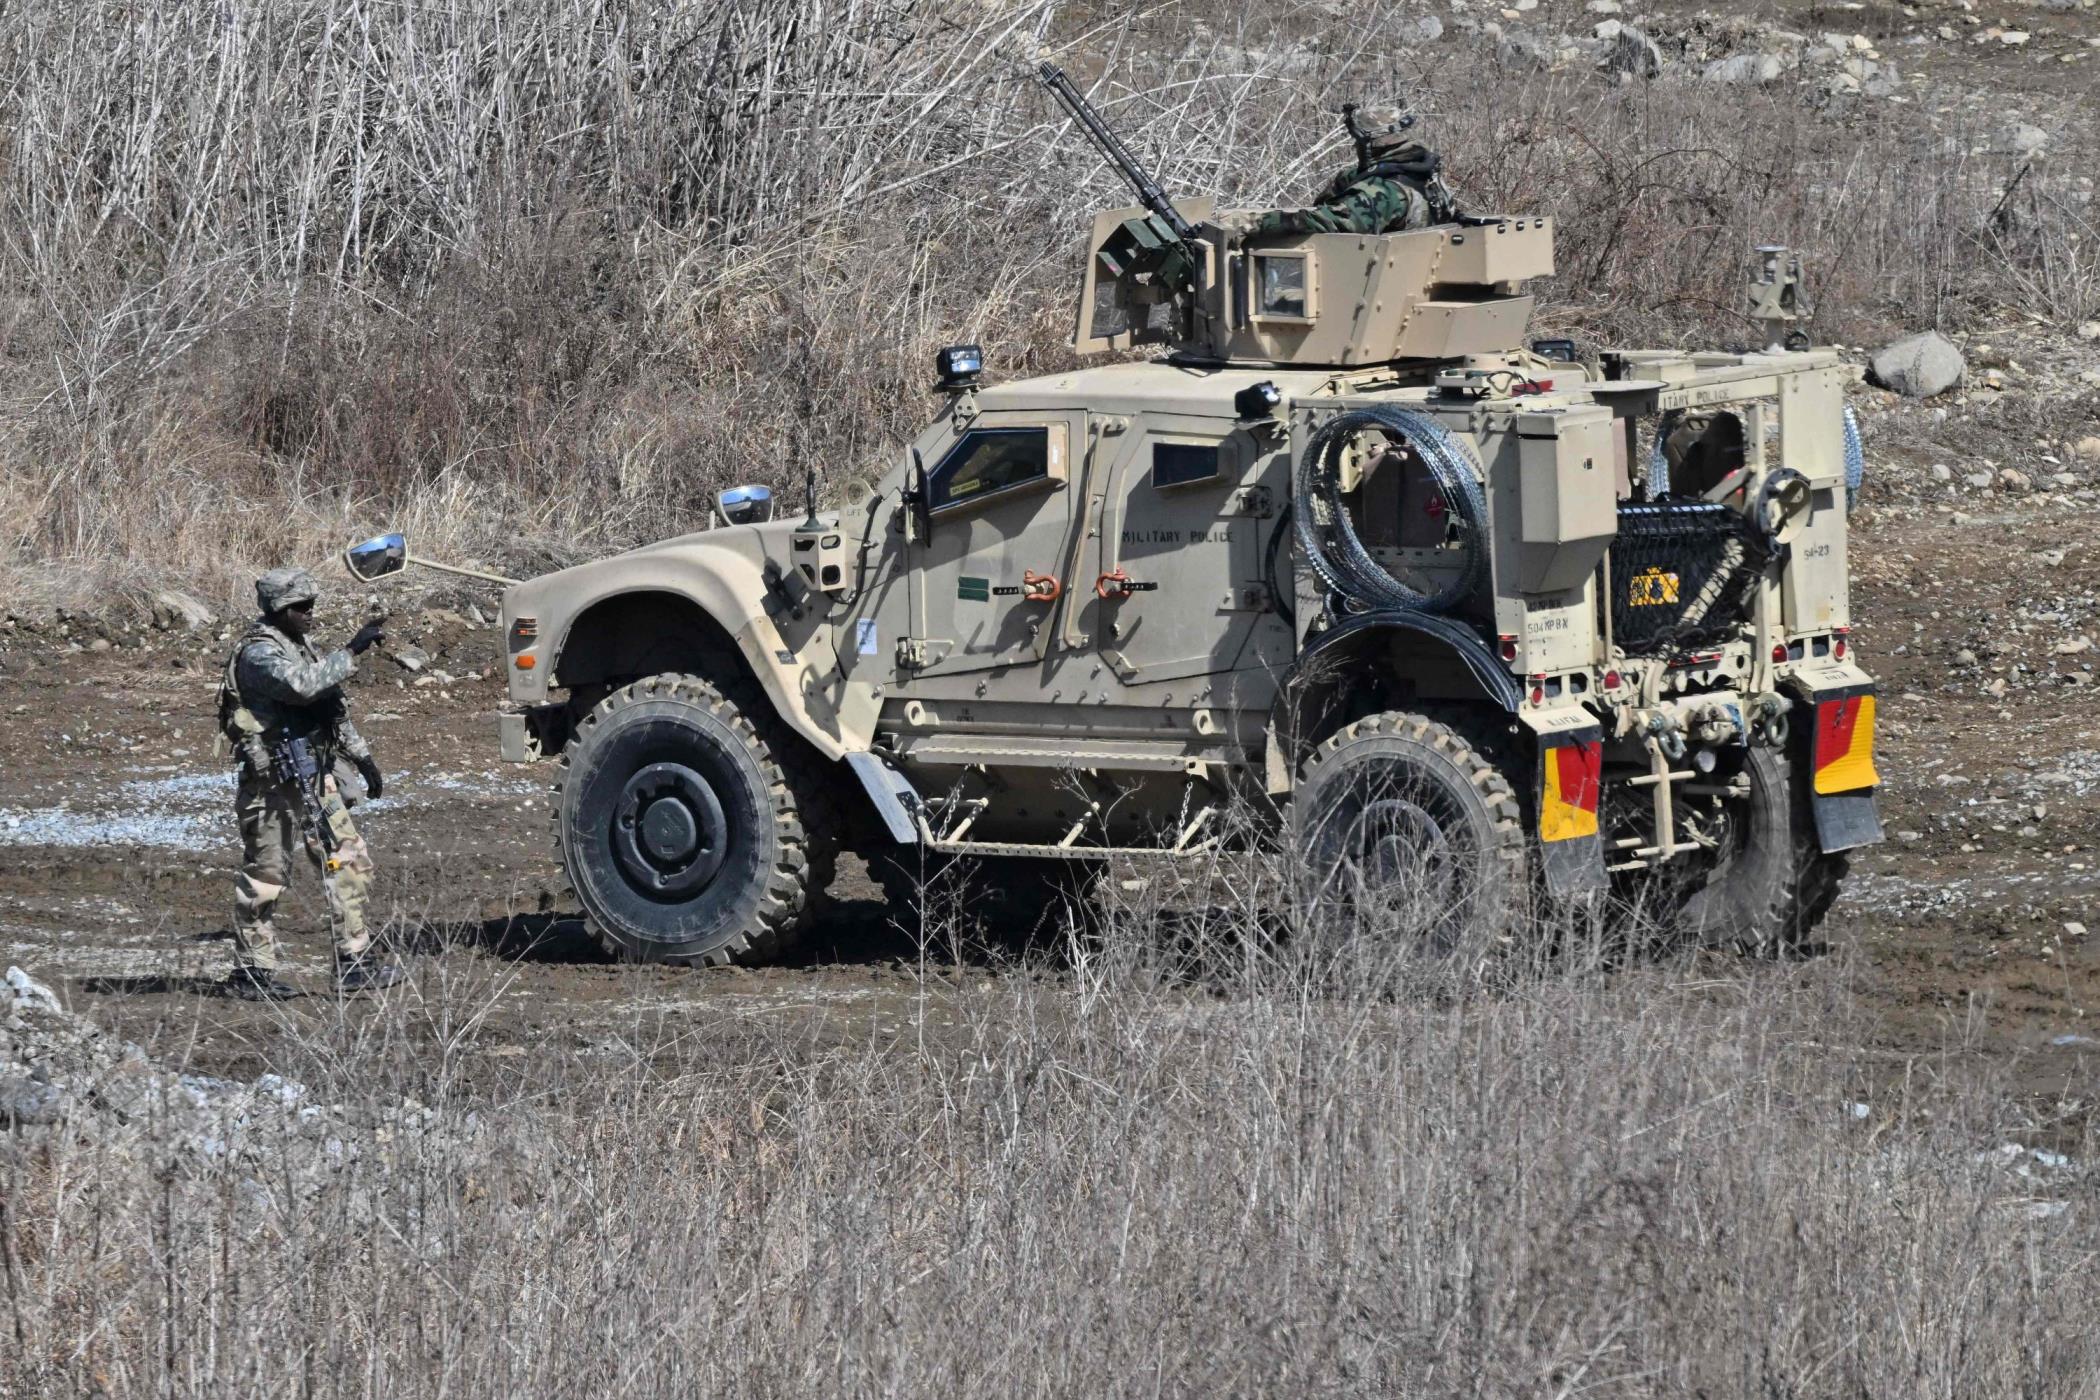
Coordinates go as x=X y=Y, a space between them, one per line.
x=904 y=813
x=1121 y=756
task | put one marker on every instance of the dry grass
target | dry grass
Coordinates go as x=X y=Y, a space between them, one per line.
x=534 y=279
x=1228 y=1168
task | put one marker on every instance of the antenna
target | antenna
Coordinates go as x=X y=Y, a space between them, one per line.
x=809 y=495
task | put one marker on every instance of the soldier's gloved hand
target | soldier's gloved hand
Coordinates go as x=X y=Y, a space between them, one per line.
x=1237 y=226
x=368 y=769
x=369 y=635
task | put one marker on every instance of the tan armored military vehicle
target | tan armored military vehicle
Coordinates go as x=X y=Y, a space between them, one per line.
x=1346 y=550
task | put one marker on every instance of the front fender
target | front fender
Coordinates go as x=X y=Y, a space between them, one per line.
x=721 y=574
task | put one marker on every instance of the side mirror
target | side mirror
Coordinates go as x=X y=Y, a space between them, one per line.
x=746 y=505
x=377 y=557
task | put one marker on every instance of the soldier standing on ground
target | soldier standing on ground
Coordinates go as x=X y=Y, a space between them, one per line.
x=277 y=687
x=1393 y=187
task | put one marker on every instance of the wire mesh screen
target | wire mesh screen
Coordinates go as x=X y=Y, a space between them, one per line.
x=1682 y=574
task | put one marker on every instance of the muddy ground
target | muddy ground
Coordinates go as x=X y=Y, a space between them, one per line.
x=1976 y=607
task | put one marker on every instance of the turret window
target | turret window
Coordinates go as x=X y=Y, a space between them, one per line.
x=1283 y=286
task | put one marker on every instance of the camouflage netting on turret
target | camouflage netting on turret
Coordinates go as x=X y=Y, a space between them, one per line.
x=1682 y=575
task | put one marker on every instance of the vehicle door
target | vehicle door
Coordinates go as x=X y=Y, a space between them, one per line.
x=1187 y=514
x=994 y=540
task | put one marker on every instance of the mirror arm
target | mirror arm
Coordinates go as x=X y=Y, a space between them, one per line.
x=418 y=559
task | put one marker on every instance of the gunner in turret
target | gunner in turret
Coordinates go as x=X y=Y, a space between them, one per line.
x=1393 y=187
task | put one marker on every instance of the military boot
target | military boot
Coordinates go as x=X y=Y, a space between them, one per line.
x=364 y=973
x=259 y=984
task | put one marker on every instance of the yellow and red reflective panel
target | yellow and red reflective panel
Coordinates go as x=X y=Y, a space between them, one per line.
x=1844 y=744
x=1570 y=782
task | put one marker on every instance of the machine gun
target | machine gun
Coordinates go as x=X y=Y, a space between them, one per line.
x=293 y=764
x=1158 y=254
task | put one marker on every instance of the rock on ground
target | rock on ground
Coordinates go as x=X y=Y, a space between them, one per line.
x=172 y=609
x=1746 y=68
x=1918 y=366
x=62 y=1079
x=1630 y=52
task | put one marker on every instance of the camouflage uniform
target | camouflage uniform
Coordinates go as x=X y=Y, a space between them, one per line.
x=1393 y=186
x=1357 y=201
x=275 y=686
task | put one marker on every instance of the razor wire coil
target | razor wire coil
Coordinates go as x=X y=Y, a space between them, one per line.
x=1332 y=546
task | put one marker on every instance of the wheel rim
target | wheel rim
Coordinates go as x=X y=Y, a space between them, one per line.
x=1392 y=845
x=1396 y=844
x=669 y=834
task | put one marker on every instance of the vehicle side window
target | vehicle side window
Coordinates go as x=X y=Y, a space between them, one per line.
x=986 y=461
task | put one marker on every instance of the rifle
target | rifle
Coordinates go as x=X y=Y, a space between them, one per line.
x=294 y=765
x=1148 y=191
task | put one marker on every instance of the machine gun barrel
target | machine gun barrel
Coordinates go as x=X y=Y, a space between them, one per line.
x=1148 y=191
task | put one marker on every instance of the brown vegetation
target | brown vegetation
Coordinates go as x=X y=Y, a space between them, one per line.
x=534 y=279
x=531 y=280
x=1276 y=1178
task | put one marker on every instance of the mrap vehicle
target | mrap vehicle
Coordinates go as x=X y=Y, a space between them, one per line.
x=1347 y=551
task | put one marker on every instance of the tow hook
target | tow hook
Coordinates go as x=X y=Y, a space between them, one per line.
x=1662 y=726
x=1035 y=587
x=1768 y=719
x=1118 y=585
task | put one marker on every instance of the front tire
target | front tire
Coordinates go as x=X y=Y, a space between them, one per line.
x=679 y=829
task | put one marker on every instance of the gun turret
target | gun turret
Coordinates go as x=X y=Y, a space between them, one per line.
x=1170 y=273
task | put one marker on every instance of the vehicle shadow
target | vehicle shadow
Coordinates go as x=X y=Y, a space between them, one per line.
x=153 y=984
x=846 y=932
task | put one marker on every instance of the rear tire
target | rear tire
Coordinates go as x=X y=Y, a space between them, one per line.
x=1400 y=813
x=1770 y=889
x=679 y=830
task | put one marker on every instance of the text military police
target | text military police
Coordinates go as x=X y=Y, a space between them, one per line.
x=281 y=703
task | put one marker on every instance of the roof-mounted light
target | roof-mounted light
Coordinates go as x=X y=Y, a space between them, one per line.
x=1257 y=400
x=959 y=366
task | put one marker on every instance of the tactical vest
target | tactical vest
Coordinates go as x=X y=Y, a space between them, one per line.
x=239 y=726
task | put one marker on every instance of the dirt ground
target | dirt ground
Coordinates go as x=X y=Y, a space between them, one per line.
x=1961 y=934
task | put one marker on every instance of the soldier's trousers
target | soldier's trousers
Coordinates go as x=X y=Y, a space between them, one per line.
x=270 y=828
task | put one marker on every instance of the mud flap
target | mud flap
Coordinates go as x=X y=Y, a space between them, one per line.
x=1842 y=778
x=1846 y=820
x=1567 y=788
x=892 y=793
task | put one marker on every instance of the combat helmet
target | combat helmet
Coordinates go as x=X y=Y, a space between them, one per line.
x=1384 y=148
x=280 y=588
